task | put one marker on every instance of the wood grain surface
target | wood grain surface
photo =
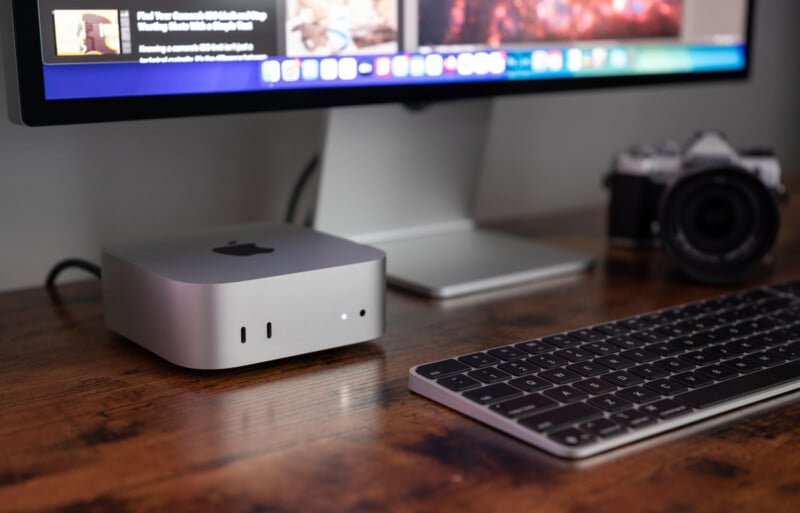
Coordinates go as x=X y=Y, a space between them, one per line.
x=89 y=422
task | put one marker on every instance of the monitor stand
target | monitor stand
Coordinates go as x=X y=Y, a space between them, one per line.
x=404 y=181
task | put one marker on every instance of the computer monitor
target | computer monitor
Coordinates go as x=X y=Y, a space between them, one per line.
x=396 y=178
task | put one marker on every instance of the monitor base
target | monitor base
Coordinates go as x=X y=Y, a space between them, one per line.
x=474 y=260
x=405 y=182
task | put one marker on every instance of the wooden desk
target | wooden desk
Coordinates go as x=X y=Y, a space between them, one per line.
x=91 y=422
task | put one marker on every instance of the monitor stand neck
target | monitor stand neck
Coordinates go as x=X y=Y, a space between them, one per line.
x=405 y=181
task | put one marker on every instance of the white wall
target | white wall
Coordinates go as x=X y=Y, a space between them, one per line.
x=550 y=151
x=64 y=190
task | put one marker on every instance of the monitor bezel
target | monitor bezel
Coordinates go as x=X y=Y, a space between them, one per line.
x=35 y=110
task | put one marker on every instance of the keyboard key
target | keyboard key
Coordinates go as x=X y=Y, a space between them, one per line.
x=600 y=348
x=479 y=360
x=566 y=394
x=712 y=305
x=765 y=359
x=731 y=302
x=639 y=395
x=623 y=379
x=695 y=325
x=559 y=376
x=548 y=361
x=758 y=325
x=693 y=379
x=655 y=319
x=725 y=351
x=761 y=341
x=573 y=437
x=588 y=369
x=508 y=353
x=741 y=386
x=666 y=387
x=441 y=369
x=678 y=314
x=723 y=318
x=626 y=342
x=704 y=321
x=786 y=316
x=574 y=354
x=613 y=329
x=774 y=305
x=489 y=375
x=742 y=366
x=792 y=332
x=757 y=295
x=710 y=337
x=530 y=384
x=699 y=357
x=595 y=386
x=792 y=287
x=674 y=365
x=535 y=347
x=518 y=368
x=458 y=383
x=561 y=417
x=650 y=337
x=693 y=310
x=562 y=341
x=492 y=393
x=640 y=355
x=665 y=349
x=773 y=338
x=603 y=428
x=633 y=419
x=615 y=362
x=524 y=406
x=746 y=345
x=650 y=372
x=610 y=403
x=790 y=352
x=717 y=372
x=666 y=409
x=690 y=342
x=745 y=312
x=734 y=331
x=588 y=335
x=635 y=324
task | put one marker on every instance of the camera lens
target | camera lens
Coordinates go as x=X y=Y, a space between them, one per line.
x=718 y=223
x=718 y=220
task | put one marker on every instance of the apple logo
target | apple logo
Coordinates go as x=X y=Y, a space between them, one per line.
x=243 y=249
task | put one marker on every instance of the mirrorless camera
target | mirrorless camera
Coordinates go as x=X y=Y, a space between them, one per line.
x=715 y=210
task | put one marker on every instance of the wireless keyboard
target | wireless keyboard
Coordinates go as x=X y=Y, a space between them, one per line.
x=586 y=391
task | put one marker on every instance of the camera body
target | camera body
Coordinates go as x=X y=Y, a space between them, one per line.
x=713 y=208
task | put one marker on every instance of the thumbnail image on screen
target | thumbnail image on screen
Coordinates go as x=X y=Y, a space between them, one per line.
x=499 y=22
x=337 y=27
x=86 y=32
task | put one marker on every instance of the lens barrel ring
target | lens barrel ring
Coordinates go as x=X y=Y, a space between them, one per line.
x=718 y=223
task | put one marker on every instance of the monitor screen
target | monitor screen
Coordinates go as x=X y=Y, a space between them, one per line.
x=95 y=60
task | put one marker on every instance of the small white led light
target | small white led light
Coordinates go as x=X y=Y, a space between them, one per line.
x=344 y=316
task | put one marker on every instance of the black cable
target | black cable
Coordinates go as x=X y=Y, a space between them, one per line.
x=299 y=186
x=69 y=263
